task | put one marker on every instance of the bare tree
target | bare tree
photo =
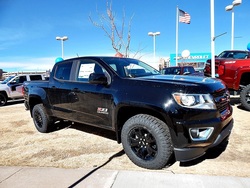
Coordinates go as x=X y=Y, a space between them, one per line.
x=107 y=22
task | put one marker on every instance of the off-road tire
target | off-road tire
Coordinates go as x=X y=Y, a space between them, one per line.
x=245 y=97
x=41 y=120
x=146 y=141
x=3 y=99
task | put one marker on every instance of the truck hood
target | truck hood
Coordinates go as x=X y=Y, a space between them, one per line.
x=181 y=79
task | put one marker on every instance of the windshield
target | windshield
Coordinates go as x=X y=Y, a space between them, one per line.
x=126 y=67
x=233 y=55
x=7 y=80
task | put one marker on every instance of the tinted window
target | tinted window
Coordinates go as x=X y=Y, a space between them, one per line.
x=240 y=55
x=126 y=67
x=233 y=55
x=21 y=79
x=188 y=70
x=172 y=70
x=35 y=77
x=63 y=71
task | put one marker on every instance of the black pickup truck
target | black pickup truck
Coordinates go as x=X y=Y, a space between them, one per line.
x=154 y=116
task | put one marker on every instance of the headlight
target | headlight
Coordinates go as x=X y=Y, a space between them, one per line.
x=199 y=101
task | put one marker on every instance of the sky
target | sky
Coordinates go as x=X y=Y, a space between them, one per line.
x=28 y=29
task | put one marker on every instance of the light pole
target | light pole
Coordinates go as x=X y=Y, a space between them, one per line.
x=62 y=39
x=212 y=39
x=153 y=35
x=231 y=8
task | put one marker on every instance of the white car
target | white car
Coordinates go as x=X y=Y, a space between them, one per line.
x=11 y=87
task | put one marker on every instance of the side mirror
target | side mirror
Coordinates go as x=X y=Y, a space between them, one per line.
x=13 y=82
x=98 y=79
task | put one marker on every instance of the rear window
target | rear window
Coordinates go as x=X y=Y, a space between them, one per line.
x=172 y=70
x=35 y=77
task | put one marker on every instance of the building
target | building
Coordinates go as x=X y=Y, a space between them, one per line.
x=7 y=74
x=1 y=74
x=197 y=60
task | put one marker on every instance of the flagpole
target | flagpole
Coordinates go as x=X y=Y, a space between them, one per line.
x=176 y=35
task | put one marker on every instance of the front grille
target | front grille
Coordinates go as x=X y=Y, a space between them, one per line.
x=222 y=99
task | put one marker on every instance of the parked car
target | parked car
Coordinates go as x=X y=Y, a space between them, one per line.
x=11 y=87
x=181 y=70
x=233 y=67
x=154 y=116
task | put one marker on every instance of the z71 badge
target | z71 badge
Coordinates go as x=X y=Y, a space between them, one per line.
x=102 y=110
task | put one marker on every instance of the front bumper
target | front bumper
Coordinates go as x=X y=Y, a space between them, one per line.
x=187 y=154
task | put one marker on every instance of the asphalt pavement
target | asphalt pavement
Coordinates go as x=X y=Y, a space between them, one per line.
x=41 y=177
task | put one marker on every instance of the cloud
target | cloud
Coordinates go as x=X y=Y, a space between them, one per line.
x=15 y=64
x=11 y=36
x=28 y=64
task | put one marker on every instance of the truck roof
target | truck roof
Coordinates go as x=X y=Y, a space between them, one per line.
x=234 y=54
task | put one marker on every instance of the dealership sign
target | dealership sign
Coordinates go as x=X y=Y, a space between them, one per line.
x=192 y=58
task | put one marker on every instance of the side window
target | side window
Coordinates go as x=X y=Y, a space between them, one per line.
x=240 y=55
x=177 y=71
x=63 y=71
x=191 y=70
x=186 y=70
x=21 y=79
x=35 y=77
x=86 y=68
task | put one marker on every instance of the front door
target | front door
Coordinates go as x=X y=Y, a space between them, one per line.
x=93 y=103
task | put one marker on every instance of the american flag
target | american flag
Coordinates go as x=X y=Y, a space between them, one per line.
x=184 y=17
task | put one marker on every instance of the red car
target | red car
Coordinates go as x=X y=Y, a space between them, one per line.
x=233 y=67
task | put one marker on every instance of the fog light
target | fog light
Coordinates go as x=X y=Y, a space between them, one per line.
x=200 y=134
x=194 y=133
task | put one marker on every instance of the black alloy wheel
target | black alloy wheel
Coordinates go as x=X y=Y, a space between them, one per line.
x=147 y=142
x=41 y=120
x=143 y=143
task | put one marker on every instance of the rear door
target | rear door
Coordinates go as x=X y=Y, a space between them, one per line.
x=59 y=91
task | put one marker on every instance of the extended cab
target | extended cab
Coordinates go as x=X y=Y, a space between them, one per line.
x=10 y=88
x=154 y=116
x=233 y=67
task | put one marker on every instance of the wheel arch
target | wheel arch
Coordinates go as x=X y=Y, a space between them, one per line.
x=34 y=100
x=126 y=112
x=245 y=79
x=4 y=93
x=5 y=98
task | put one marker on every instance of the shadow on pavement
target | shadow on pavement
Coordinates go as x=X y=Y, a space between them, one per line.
x=120 y=153
x=92 y=130
x=85 y=128
x=14 y=102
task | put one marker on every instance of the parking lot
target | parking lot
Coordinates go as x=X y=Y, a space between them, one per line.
x=77 y=146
